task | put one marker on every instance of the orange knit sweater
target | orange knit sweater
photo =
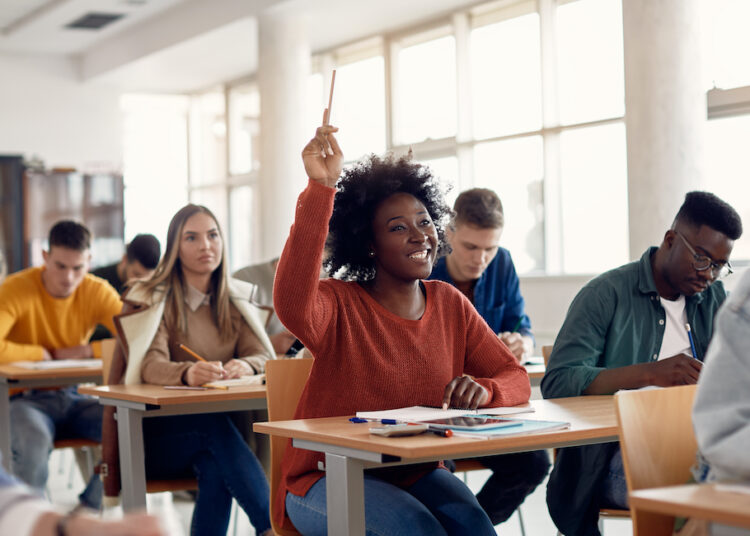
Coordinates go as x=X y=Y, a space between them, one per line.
x=367 y=358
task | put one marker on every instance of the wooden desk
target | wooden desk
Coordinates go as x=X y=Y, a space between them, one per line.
x=350 y=448
x=13 y=377
x=701 y=501
x=136 y=402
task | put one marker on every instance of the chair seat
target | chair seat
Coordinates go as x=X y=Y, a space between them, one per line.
x=469 y=464
x=172 y=484
x=613 y=513
x=75 y=443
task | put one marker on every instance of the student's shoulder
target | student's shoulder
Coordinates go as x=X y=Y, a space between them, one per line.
x=22 y=283
x=95 y=285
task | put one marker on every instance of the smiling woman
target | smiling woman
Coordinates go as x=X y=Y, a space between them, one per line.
x=385 y=337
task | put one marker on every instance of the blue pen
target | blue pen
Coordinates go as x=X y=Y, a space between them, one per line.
x=388 y=421
x=357 y=419
x=692 y=342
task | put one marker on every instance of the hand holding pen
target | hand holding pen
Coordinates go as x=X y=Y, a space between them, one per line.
x=203 y=371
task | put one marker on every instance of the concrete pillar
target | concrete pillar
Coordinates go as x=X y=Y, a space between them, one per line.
x=283 y=68
x=665 y=112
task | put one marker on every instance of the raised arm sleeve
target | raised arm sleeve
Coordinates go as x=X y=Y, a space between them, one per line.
x=302 y=304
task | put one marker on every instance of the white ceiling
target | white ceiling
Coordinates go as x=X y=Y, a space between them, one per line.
x=184 y=45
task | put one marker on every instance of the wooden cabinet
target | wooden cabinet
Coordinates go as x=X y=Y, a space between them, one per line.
x=47 y=197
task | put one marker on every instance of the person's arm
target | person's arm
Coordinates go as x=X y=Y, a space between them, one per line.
x=515 y=326
x=11 y=305
x=301 y=302
x=254 y=355
x=490 y=365
x=721 y=414
x=157 y=366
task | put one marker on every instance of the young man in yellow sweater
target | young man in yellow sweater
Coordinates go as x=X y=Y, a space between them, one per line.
x=49 y=312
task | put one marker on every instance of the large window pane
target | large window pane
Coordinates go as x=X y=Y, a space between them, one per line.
x=593 y=174
x=590 y=56
x=727 y=42
x=425 y=98
x=244 y=218
x=358 y=107
x=446 y=170
x=155 y=157
x=244 y=129
x=315 y=102
x=513 y=169
x=215 y=200
x=506 y=77
x=728 y=169
x=208 y=138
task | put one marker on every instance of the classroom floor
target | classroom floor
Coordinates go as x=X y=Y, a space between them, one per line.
x=65 y=483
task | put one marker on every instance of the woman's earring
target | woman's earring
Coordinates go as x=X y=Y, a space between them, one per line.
x=372 y=253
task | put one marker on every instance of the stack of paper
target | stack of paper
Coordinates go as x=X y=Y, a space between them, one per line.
x=59 y=364
x=424 y=413
x=526 y=427
x=257 y=379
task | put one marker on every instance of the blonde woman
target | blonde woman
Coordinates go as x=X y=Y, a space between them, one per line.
x=191 y=301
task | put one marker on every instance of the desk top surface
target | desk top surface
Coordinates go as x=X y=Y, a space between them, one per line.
x=592 y=420
x=12 y=372
x=703 y=501
x=158 y=395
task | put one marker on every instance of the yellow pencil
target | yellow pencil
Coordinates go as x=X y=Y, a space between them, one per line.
x=193 y=354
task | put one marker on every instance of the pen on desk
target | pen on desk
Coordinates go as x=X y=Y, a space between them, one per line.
x=692 y=342
x=185 y=387
x=442 y=432
x=388 y=421
x=357 y=419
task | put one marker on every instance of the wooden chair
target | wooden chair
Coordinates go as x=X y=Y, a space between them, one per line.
x=604 y=513
x=658 y=445
x=285 y=380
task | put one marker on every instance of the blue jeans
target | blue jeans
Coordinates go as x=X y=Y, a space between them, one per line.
x=209 y=447
x=39 y=417
x=437 y=504
x=615 y=487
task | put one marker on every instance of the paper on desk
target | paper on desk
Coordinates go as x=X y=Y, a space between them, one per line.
x=424 y=413
x=527 y=426
x=59 y=364
x=256 y=379
x=733 y=487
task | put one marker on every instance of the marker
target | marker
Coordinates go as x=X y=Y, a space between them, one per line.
x=442 y=432
x=692 y=342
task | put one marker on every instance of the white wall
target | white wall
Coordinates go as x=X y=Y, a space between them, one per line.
x=46 y=111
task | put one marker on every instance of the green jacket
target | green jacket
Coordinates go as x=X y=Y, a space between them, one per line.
x=617 y=320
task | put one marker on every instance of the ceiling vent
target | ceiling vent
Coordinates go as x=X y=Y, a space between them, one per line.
x=94 y=21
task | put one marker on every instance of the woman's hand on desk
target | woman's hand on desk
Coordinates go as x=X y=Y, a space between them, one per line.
x=463 y=392
x=204 y=372
x=237 y=367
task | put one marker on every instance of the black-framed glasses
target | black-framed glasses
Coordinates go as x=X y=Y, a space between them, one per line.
x=703 y=262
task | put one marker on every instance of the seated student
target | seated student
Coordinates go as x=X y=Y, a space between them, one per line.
x=47 y=313
x=626 y=329
x=139 y=261
x=190 y=300
x=384 y=338
x=23 y=513
x=262 y=275
x=722 y=402
x=484 y=272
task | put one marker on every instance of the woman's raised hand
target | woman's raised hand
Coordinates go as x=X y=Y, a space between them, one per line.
x=322 y=156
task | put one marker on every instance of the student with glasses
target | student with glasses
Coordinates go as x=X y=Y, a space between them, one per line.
x=646 y=323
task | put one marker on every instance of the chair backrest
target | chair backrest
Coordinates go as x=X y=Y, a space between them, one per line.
x=657 y=440
x=108 y=351
x=546 y=351
x=285 y=380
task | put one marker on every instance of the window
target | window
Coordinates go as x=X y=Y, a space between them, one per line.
x=244 y=129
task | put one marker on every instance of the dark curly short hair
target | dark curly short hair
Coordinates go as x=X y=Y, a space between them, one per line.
x=704 y=208
x=361 y=189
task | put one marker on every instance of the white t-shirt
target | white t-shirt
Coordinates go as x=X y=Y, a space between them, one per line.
x=675 y=339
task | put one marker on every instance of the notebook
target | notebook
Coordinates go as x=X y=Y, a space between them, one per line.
x=526 y=426
x=424 y=413
x=59 y=364
x=256 y=379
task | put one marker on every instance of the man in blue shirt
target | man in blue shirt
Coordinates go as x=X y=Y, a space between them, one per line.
x=627 y=329
x=484 y=273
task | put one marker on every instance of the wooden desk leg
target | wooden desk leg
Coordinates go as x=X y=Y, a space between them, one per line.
x=132 y=459
x=345 y=496
x=5 y=449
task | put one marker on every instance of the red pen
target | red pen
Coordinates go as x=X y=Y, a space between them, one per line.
x=442 y=432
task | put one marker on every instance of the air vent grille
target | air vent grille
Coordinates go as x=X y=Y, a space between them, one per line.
x=94 y=21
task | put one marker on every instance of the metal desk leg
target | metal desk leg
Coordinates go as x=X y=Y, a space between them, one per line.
x=345 y=495
x=5 y=450
x=132 y=460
